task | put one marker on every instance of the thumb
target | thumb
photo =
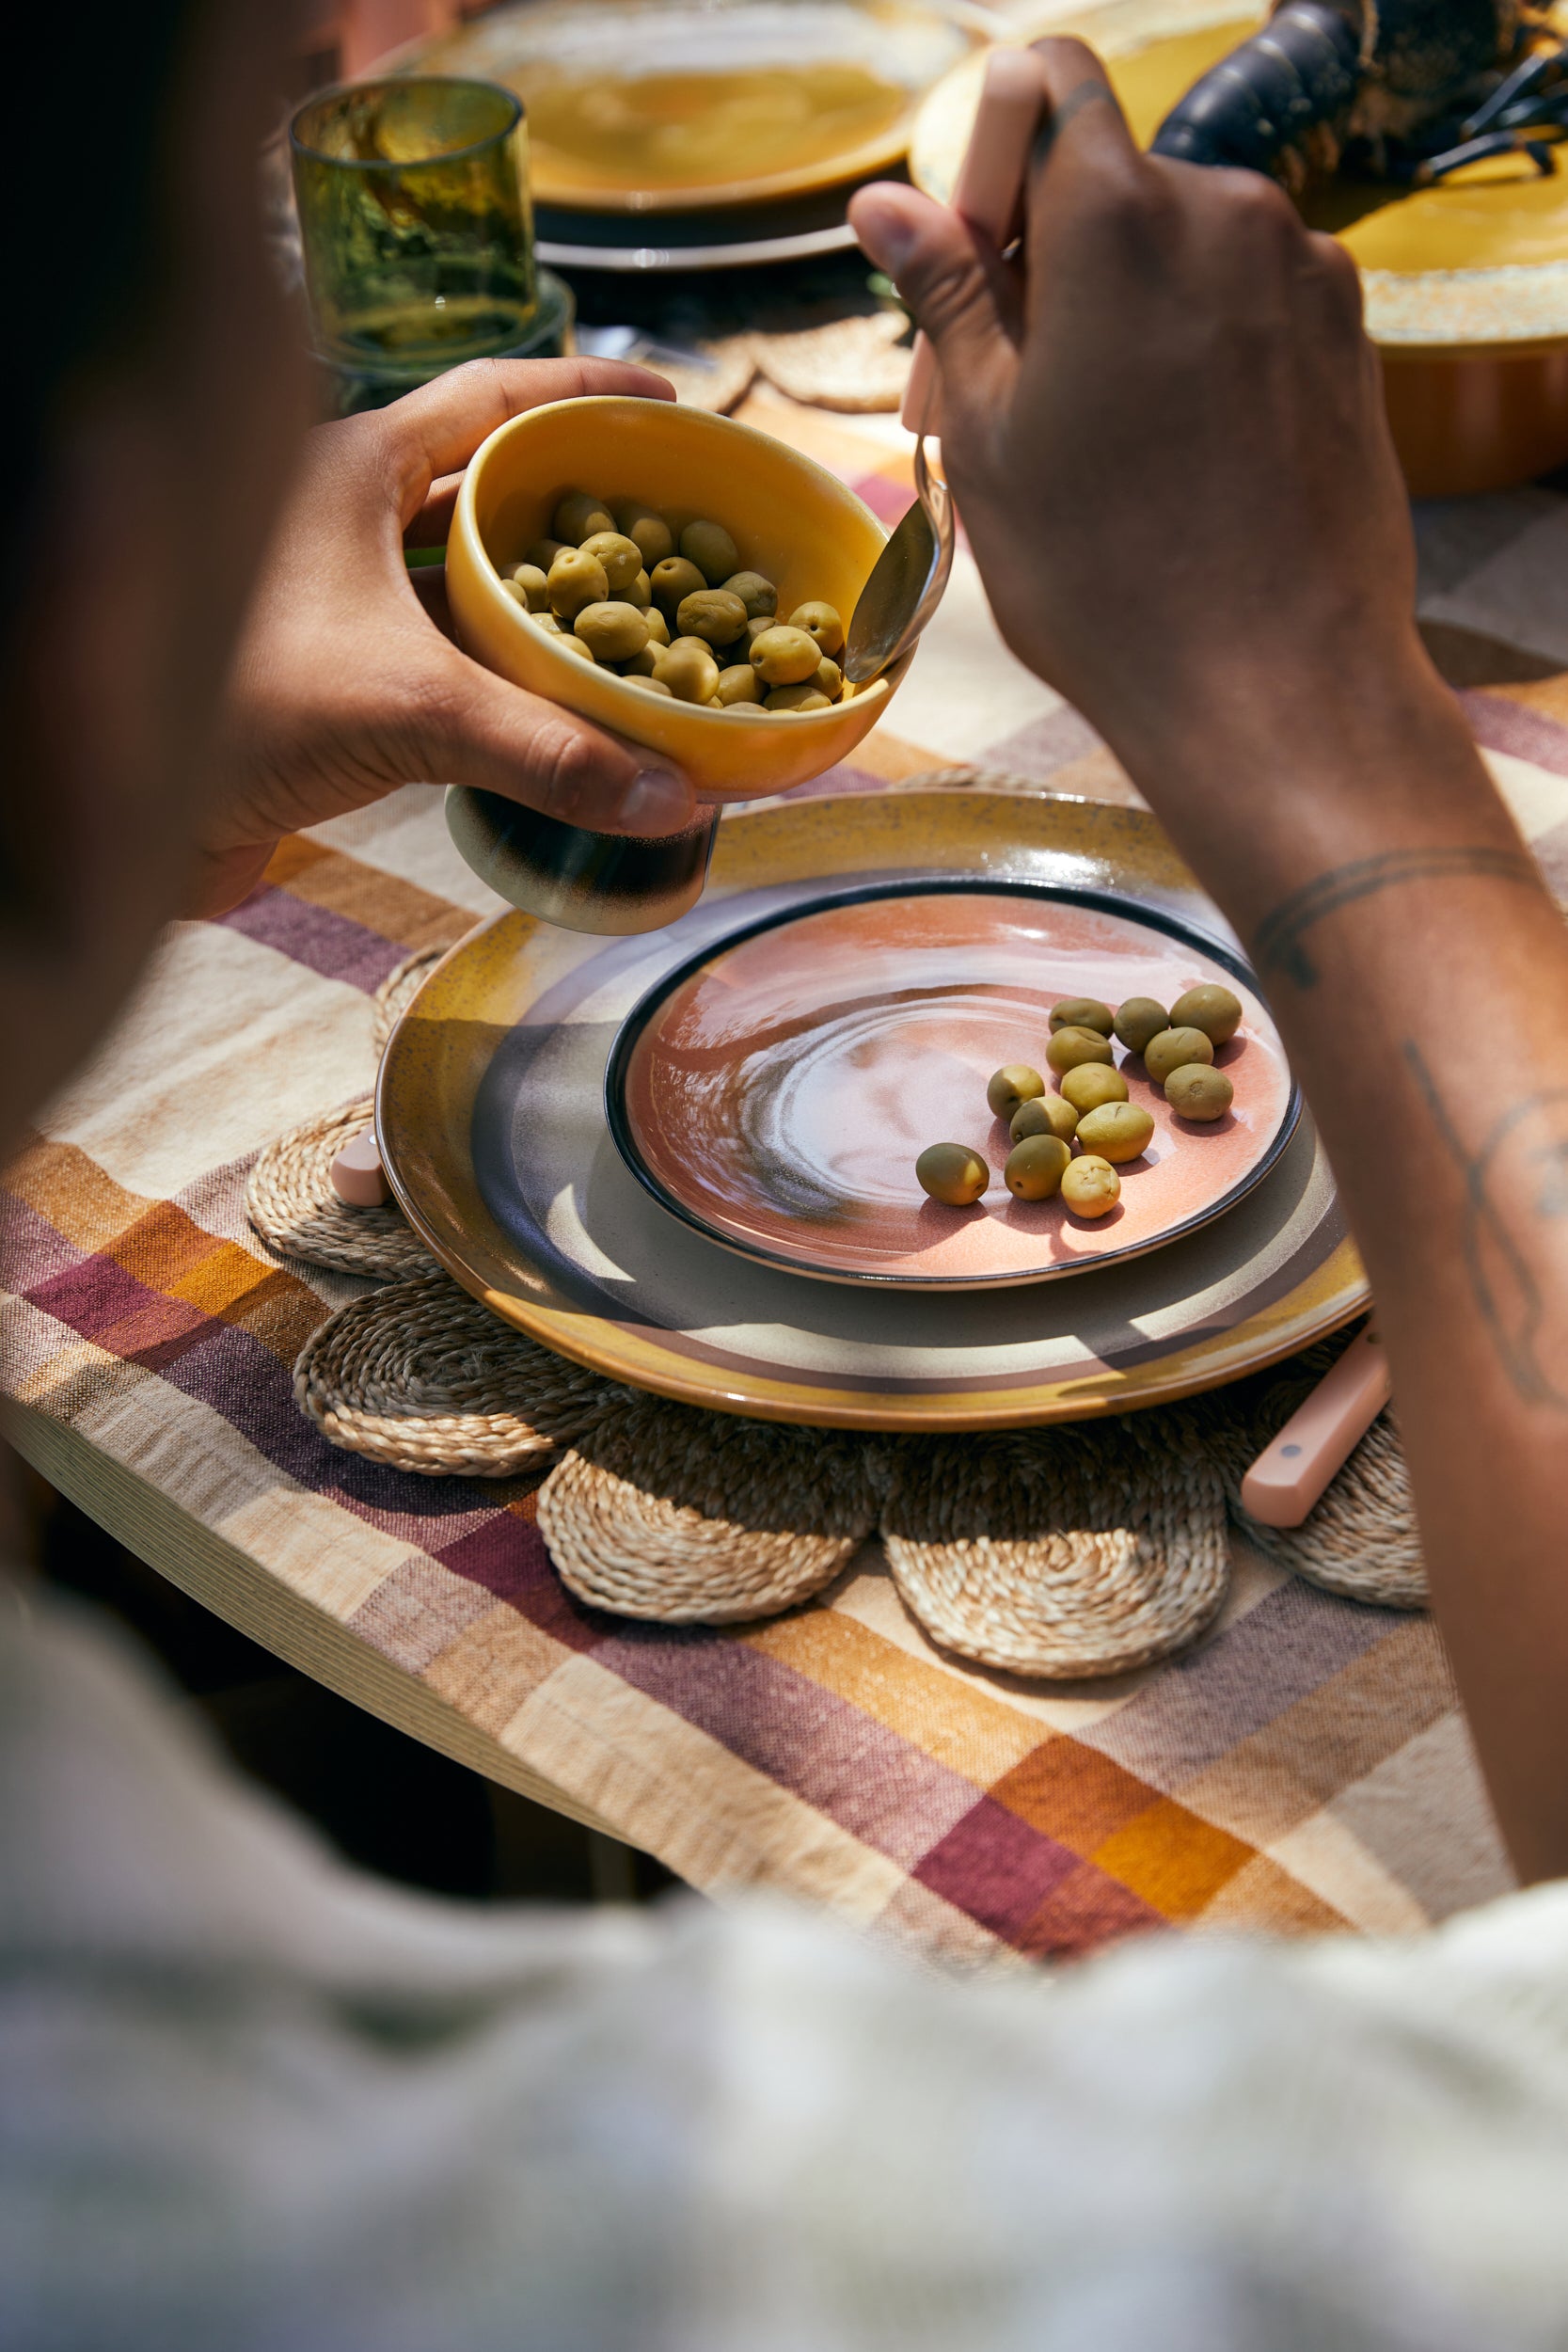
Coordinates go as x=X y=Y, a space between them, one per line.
x=950 y=277
x=472 y=728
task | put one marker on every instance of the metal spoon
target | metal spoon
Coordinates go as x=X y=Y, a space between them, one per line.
x=906 y=581
x=911 y=573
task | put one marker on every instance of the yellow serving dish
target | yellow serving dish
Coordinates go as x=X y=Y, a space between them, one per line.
x=662 y=105
x=790 y=519
x=1465 y=283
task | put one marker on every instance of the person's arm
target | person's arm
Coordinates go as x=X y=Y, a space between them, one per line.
x=345 y=685
x=1168 y=445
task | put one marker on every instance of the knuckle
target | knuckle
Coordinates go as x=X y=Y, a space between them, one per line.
x=951 y=286
x=1136 y=211
x=1260 y=211
x=567 y=769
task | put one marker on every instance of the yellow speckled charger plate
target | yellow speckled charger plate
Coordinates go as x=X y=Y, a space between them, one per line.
x=1480 y=261
x=491 y=1119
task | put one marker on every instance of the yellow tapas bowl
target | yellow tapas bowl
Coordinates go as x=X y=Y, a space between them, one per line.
x=790 y=519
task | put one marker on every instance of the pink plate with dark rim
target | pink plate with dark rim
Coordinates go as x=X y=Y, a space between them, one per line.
x=776 y=1093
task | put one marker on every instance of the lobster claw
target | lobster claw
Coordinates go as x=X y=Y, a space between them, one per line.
x=1301 y=70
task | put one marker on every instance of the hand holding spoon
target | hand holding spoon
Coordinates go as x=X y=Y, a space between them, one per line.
x=910 y=575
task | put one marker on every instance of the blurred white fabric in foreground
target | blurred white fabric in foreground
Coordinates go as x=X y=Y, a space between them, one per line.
x=248 y=2100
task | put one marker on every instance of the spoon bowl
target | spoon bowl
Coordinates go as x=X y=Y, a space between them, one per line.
x=906 y=581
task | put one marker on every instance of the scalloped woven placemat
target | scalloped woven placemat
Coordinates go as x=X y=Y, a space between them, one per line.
x=1058 y=1553
x=1087 y=1550
x=667 y=1512
x=289 y=1198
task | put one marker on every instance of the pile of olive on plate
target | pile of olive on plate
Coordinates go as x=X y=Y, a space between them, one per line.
x=1091 y=1107
x=669 y=608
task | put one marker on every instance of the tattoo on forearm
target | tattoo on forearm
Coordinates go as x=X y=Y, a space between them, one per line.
x=1277 y=946
x=1515 y=1184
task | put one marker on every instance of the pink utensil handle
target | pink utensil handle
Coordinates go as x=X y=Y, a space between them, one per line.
x=357 y=1175
x=1293 y=1470
x=990 y=193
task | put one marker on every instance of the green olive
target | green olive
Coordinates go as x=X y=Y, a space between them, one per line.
x=1068 y=1047
x=517 y=593
x=1115 y=1132
x=548 y=622
x=785 y=657
x=688 y=670
x=830 y=678
x=621 y=558
x=1013 y=1084
x=672 y=581
x=573 y=644
x=659 y=628
x=756 y=593
x=1195 y=1092
x=713 y=551
x=1036 y=1166
x=821 y=624
x=1091 y=1186
x=642 y=663
x=543 y=552
x=653 y=534
x=1044 y=1115
x=1081 y=1012
x=755 y=629
x=649 y=685
x=535 y=585
x=577 y=516
x=611 y=631
x=952 y=1172
x=1212 y=1009
x=739 y=684
x=1171 y=1048
x=808 y=695
x=640 y=593
x=711 y=613
x=575 y=580
x=1139 y=1019
x=743 y=710
x=1091 y=1083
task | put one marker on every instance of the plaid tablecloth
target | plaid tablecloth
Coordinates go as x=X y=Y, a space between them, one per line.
x=1305 y=1767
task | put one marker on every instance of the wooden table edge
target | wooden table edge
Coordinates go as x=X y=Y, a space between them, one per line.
x=222 y=1577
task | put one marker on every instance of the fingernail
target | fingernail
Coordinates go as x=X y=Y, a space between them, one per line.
x=886 y=235
x=659 y=802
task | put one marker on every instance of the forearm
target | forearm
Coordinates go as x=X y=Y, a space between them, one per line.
x=1418 y=971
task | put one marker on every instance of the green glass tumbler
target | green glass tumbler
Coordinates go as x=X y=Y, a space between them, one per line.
x=416 y=228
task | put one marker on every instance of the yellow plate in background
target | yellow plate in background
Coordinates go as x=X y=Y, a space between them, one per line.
x=1480 y=261
x=657 y=105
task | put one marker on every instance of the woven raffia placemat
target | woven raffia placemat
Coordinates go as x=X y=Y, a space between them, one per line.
x=1056 y=1553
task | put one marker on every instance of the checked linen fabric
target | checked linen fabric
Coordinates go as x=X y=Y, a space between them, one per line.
x=1304 y=1768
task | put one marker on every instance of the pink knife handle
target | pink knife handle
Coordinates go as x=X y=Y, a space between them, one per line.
x=357 y=1175
x=990 y=193
x=1291 y=1472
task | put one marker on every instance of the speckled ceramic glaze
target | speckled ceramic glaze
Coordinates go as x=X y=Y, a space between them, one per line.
x=777 y=1095
x=492 y=1125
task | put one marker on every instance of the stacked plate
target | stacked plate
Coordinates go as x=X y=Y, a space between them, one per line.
x=687 y=1159
x=670 y=134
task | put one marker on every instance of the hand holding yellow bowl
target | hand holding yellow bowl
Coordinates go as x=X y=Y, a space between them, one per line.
x=790 y=519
